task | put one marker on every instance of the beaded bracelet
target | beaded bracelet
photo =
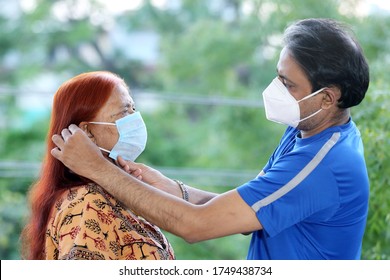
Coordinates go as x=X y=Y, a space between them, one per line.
x=183 y=189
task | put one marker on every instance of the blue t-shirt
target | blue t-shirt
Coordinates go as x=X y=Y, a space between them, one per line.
x=313 y=199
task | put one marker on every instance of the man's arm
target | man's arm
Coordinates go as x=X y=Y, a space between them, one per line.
x=222 y=215
x=156 y=179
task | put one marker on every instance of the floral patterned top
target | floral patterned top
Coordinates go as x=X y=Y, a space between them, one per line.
x=88 y=223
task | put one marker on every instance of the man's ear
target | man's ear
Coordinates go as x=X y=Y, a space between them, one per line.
x=86 y=128
x=331 y=97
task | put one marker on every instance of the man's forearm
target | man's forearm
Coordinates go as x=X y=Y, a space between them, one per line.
x=199 y=197
x=156 y=206
x=156 y=179
x=195 y=196
x=169 y=212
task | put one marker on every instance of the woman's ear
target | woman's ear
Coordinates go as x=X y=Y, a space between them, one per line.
x=84 y=126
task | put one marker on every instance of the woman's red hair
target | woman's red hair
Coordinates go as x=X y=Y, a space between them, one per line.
x=78 y=99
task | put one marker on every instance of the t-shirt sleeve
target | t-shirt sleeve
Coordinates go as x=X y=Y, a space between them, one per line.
x=288 y=134
x=284 y=197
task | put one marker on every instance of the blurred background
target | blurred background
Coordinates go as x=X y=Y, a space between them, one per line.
x=196 y=70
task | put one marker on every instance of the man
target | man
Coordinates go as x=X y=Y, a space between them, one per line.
x=310 y=201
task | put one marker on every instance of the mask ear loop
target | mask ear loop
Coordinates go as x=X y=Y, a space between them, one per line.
x=312 y=94
x=306 y=97
x=312 y=115
x=104 y=150
x=104 y=123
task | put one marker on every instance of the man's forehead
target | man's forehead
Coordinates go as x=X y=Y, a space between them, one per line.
x=285 y=63
x=284 y=58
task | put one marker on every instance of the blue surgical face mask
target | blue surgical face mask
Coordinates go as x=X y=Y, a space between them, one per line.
x=132 y=137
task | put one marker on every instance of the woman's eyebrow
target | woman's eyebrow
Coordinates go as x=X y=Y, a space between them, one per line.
x=123 y=107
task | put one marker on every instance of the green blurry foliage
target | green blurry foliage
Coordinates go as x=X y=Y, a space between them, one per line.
x=12 y=212
x=373 y=120
x=17 y=145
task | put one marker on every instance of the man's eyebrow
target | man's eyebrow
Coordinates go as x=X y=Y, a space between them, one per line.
x=284 y=77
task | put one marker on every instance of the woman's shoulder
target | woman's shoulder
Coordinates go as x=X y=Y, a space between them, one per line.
x=88 y=201
x=82 y=195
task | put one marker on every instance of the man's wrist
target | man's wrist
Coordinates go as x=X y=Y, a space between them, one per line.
x=98 y=169
x=183 y=189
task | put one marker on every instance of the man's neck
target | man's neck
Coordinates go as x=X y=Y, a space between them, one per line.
x=341 y=119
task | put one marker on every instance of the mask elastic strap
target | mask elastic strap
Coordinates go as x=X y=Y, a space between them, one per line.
x=312 y=115
x=312 y=94
x=307 y=117
x=107 y=123
x=104 y=150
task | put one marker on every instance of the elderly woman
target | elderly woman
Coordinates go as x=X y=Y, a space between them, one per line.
x=72 y=217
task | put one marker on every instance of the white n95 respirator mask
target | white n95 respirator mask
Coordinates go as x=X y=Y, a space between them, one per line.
x=281 y=107
x=132 y=137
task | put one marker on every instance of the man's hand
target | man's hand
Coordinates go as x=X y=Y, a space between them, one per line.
x=76 y=151
x=132 y=168
x=149 y=175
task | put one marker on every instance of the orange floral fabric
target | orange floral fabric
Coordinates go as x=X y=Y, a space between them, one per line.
x=88 y=223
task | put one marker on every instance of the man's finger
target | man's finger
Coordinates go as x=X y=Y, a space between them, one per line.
x=58 y=141
x=73 y=128
x=65 y=134
x=56 y=152
x=130 y=166
x=121 y=162
x=136 y=173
